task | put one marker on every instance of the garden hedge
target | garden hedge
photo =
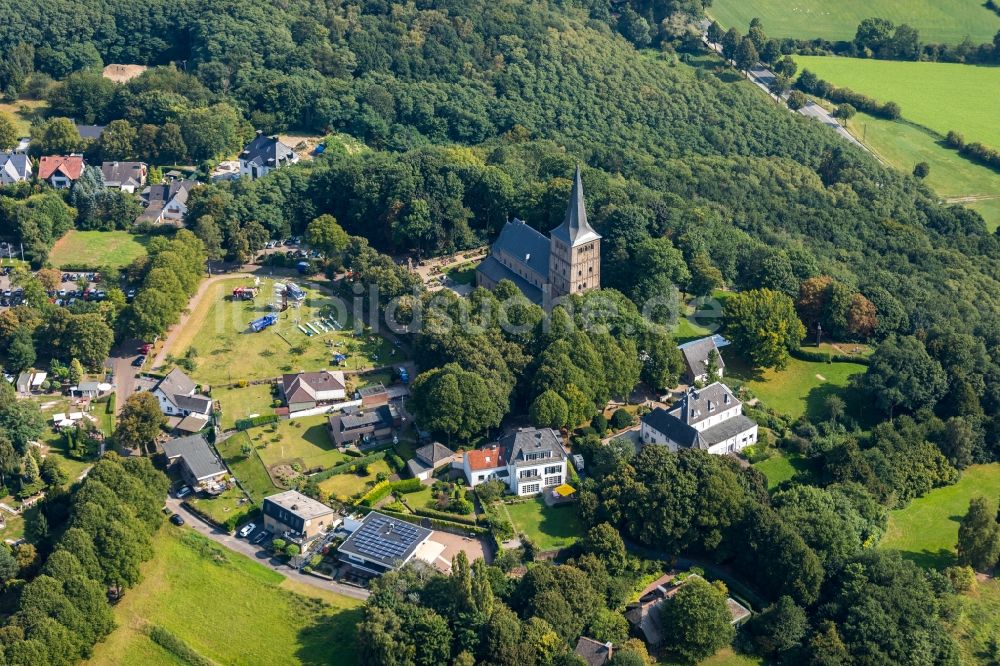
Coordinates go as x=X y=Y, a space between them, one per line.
x=263 y=419
x=346 y=466
x=826 y=357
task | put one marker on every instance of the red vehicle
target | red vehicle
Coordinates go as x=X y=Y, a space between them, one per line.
x=145 y=348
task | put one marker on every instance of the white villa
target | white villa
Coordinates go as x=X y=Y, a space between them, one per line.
x=527 y=461
x=710 y=419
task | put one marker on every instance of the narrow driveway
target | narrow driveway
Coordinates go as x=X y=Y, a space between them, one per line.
x=122 y=370
x=243 y=547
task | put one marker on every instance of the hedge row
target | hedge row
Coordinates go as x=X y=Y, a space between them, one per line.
x=444 y=515
x=263 y=419
x=827 y=357
x=975 y=151
x=112 y=403
x=810 y=83
x=375 y=493
x=230 y=523
x=407 y=486
x=443 y=525
x=346 y=466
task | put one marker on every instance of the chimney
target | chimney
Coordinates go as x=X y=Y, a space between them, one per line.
x=611 y=649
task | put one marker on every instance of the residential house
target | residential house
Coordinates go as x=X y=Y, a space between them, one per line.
x=89 y=389
x=124 y=176
x=361 y=426
x=199 y=466
x=428 y=458
x=710 y=419
x=37 y=380
x=90 y=132
x=166 y=203
x=178 y=397
x=60 y=171
x=379 y=543
x=644 y=615
x=594 y=653
x=527 y=461
x=696 y=354
x=293 y=516
x=265 y=154
x=568 y=262
x=308 y=390
x=14 y=168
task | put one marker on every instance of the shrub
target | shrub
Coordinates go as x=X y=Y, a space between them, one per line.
x=407 y=486
x=962 y=579
x=621 y=419
x=599 y=424
x=350 y=466
x=263 y=419
x=278 y=545
x=395 y=462
x=176 y=646
x=377 y=492
x=292 y=550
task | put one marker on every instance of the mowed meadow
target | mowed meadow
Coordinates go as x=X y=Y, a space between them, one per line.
x=940 y=21
x=938 y=95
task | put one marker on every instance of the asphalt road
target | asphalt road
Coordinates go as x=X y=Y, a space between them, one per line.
x=258 y=554
x=124 y=373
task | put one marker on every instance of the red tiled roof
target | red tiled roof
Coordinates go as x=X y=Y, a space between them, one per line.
x=70 y=166
x=488 y=458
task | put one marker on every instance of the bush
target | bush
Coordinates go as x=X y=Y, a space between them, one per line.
x=278 y=545
x=292 y=550
x=599 y=424
x=263 y=419
x=962 y=579
x=621 y=419
x=350 y=466
x=376 y=494
x=442 y=515
x=407 y=486
x=177 y=647
x=395 y=462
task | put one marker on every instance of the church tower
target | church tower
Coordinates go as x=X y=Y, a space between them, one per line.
x=574 y=249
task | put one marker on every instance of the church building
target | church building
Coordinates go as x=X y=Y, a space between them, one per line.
x=544 y=269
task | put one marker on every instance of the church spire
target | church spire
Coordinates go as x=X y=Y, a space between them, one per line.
x=575 y=229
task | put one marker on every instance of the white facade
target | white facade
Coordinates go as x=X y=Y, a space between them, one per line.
x=710 y=419
x=528 y=462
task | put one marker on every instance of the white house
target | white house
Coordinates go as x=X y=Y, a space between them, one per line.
x=710 y=419
x=178 y=396
x=14 y=168
x=124 y=176
x=308 y=390
x=166 y=203
x=527 y=461
x=696 y=356
x=265 y=154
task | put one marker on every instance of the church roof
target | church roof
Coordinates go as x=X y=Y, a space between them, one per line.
x=575 y=229
x=525 y=245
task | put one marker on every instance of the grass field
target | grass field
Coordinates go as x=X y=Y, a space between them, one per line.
x=724 y=657
x=305 y=441
x=937 y=95
x=229 y=609
x=942 y=21
x=801 y=388
x=926 y=531
x=548 y=528
x=977 y=625
x=241 y=403
x=225 y=350
x=96 y=249
x=780 y=468
x=22 y=111
x=342 y=486
x=222 y=507
x=248 y=469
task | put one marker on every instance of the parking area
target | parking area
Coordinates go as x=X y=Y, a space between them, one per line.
x=73 y=287
x=450 y=545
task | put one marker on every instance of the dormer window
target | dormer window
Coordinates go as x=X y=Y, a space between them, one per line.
x=725 y=399
x=711 y=406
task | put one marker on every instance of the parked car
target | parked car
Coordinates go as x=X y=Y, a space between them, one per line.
x=139 y=360
x=183 y=492
x=177 y=519
x=247 y=530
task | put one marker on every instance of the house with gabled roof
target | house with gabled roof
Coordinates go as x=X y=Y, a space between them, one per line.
x=14 y=168
x=710 y=419
x=428 y=458
x=308 y=390
x=60 y=171
x=124 y=176
x=362 y=426
x=265 y=154
x=166 y=203
x=567 y=262
x=594 y=653
x=696 y=355
x=528 y=461
x=199 y=466
x=179 y=397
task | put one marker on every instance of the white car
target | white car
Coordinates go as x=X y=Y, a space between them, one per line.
x=247 y=529
x=183 y=492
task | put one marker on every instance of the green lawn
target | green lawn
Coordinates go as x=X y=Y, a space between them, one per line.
x=926 y=531
x=226 y=351
x=463 y=273
x=548 y=528
x=937 y=95
x=342 y=486
x=22 y=112
x=229 y=609
x=240 y=403
x=724 y=657
x=990 y=210
x=248 y=469
x=943 y=21
x=305 y=441
x=977 y=624
x=801 y=387
x=223 y=507
x=96 y=249
x=780 y=468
